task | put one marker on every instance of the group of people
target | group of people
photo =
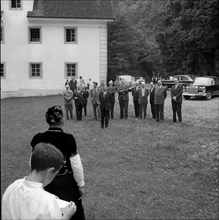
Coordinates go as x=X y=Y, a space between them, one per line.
x=55 y=186
x=103 y=100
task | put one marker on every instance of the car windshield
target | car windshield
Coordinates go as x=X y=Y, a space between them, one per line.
x=203 y=81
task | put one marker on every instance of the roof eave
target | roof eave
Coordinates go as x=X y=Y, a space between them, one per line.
x=84 y=18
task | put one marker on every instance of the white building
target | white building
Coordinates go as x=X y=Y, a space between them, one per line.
x=45 y=42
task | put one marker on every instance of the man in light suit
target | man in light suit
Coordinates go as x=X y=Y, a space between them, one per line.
x=160 y=95
x=135 y=99
x=152 y=89
x=176 y=99
x=123 y=91
x=142 y=100
x=95 y=93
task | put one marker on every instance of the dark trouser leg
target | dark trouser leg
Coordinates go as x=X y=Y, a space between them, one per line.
x=179 y=111
x=102 y=113
x=126 y=103
x=145 y=109
x=77 y=112
x=95 y=111
x=174 y=106
x=121 y=105
x=161 y=110
x=80 y=111
x=140 y=110
x=85 y=109
x=157 y=112
x=136 y=108
x=153 y=110
x=106 y=118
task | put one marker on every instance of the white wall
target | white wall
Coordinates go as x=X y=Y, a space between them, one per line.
x=89 y=52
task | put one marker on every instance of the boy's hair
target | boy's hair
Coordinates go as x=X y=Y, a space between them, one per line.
x=45 y=156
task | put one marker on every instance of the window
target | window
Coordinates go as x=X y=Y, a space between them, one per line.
x=35 y=70
x=71 y=69
x=35 y=35
x=2 y=70
x=70 y=35
x=15 y=4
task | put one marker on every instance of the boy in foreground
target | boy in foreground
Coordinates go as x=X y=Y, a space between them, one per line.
x=27 y=199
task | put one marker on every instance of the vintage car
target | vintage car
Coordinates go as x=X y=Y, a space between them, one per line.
x=139 y=80
x=185 y=80
x=206 y=86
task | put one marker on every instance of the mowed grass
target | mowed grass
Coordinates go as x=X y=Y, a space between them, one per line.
x=135 y=169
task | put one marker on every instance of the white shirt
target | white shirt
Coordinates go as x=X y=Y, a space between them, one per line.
x=25 y=199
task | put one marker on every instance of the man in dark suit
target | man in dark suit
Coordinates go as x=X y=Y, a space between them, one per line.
x=142 y=100
x=176 y=99
x=152 y=89
x=159 y=97
x=123 y=91
x=135 y=99
x=104 y=106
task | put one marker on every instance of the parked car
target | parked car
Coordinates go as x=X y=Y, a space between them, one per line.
x=185 y=80
x=139 y=80
x=206 y=86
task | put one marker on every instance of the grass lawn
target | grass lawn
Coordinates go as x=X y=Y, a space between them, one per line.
x=135 y=169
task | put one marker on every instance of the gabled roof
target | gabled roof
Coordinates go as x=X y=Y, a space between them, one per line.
x=78 y=9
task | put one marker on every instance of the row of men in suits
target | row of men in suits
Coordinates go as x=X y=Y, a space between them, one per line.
x=103 y=101
x=157 y=95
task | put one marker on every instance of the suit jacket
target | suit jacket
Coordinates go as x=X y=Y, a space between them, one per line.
x=78 y=97
x=86 y=95
x=104 y=101
x=152 y=96
x=160 y=95
x=123 y=91
x=95 y=96
x=142 y=99
x=135 y=94
x=112 y=91
x=177 y=92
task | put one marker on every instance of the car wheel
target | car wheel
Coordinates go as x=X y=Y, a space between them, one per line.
x=186 y=97
x=209 y=95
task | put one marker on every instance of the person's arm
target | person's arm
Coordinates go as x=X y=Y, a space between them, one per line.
x=78 y=173
x=78 y=169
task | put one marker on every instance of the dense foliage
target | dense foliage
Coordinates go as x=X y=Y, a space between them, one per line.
x=169 y=37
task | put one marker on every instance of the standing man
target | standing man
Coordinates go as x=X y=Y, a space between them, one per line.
x=95 y=93
x=104 y=107
x=152 y=89
x=142 y=100
x=123 y=92
x=112 y=91
x=79 y=101
x=135 y=99
x=176 y=98
x=86 y=95
x=159 y=97
x=67 y=94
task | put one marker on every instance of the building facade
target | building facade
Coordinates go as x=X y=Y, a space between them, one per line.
x=45 y=42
